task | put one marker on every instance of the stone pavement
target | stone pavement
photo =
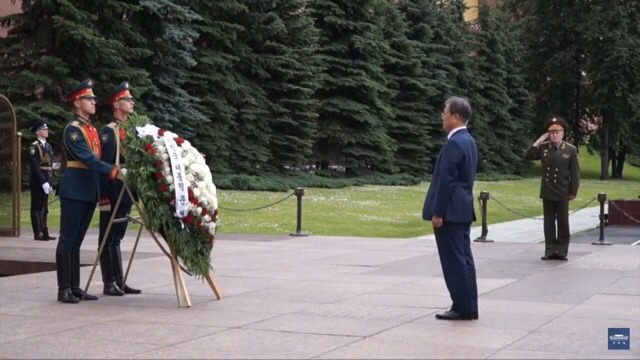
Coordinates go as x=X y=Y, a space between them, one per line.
x=332 y=297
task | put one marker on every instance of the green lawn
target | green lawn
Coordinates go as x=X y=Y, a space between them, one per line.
x=382 y=211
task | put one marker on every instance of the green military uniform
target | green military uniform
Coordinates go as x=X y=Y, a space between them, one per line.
x=560 y=179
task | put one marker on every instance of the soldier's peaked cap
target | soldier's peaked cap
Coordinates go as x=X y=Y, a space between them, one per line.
x=40 y=124
x=556 y=123
x=83 y=90
x=121 y=92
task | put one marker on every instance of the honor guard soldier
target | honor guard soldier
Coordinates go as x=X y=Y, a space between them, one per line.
x=78 y=190
x=40 y=157
x=112 y=137
x=560 y=182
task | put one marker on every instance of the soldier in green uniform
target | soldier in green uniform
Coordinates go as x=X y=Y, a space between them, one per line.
x=560 y=182
x=40 y=156
x=113 y=152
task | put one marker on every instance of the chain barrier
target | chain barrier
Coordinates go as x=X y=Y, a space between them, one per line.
x=257 y=208
x=541 y=217
x=583 y=206
x=515 y=211
x=53 y=200
x=624 y=212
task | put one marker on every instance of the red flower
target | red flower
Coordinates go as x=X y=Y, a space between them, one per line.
x=189 y=219
x=163 y=188
x=152 y=151
x=195 y=202
x=159 y=175
x=161 y=132
x=211 y=239
x=191 y=196
x=215 y=214
x=148 y=147
x=204 y=211
x=179 y=141
x=159 y=163
x=199 y=224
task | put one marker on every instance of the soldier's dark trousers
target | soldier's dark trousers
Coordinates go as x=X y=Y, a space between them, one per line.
x=556 y=239
x=38 y=211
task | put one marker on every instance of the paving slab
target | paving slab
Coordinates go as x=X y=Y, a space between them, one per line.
x=332 y=297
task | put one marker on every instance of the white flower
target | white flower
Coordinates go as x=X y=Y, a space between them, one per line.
x=196 y=192
x=190 y=177
x=207 y=218
x=169 y=179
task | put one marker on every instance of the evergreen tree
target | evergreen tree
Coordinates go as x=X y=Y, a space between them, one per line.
x=214 y=80
x=555 y=61
x=521 y=110
x=409 y=127
x=51 y=46
x=283 y=41
x=167 y=26
x=612 y=39
x=352 y=110
x=421 y=17
x=496 y=128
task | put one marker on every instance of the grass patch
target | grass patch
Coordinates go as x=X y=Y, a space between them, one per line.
x=378 y=210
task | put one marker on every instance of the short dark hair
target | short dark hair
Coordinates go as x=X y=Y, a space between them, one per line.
x=459 y=105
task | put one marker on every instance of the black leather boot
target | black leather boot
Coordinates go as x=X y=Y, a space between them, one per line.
x=45 y=229
x=64 y=279
x=36 y=224
x=116 y=266
x=110 y=287
x=75 y=279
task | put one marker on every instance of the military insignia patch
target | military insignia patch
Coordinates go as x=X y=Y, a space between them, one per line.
x=33 y=151
x=104 y=137
x=74 y=137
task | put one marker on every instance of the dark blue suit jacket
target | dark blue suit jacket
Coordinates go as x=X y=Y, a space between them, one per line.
x=450 y=193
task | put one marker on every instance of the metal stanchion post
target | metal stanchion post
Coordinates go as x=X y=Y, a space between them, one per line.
x=601 y=198
x=299 y=193
x=484 y=197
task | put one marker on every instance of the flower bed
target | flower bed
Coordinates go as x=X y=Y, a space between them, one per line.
x=176 y=188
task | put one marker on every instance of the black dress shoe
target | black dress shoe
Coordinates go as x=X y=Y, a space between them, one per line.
x=560 y=257
x=129 y=290
x=47 y=237
x=112 y=289
x=547 y=257
x=452 y=315
x=77 y=292
x=40 y=238
x=475 y=315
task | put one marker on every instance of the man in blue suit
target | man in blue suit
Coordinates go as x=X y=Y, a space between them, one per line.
x=449 y=206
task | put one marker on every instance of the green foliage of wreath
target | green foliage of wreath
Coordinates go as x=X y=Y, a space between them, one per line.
x=192 y=245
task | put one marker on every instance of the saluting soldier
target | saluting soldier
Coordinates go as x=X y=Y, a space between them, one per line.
x=40 y=157
x=112 y=137
x=560 y=182
x=78 y=190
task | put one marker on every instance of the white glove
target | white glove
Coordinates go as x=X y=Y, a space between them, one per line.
x=122 y=174
x=46 y=187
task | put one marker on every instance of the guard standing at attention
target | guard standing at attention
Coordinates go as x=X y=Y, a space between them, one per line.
x=40 y=157
x=560 y=182
x=78 y=190
x=112 y=137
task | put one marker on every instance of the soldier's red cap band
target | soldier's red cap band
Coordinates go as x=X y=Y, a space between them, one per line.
x=120 y=95
x=555 y=127
x=84 y=92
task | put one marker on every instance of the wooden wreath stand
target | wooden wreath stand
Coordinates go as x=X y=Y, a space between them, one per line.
x=178 y=280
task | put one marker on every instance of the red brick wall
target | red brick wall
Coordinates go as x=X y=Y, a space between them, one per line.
x=8 y=7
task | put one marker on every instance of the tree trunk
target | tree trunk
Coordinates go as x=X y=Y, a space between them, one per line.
x=617 y=170
x=604 y=150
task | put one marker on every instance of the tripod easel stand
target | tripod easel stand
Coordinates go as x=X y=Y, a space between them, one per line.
x=178 y=280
